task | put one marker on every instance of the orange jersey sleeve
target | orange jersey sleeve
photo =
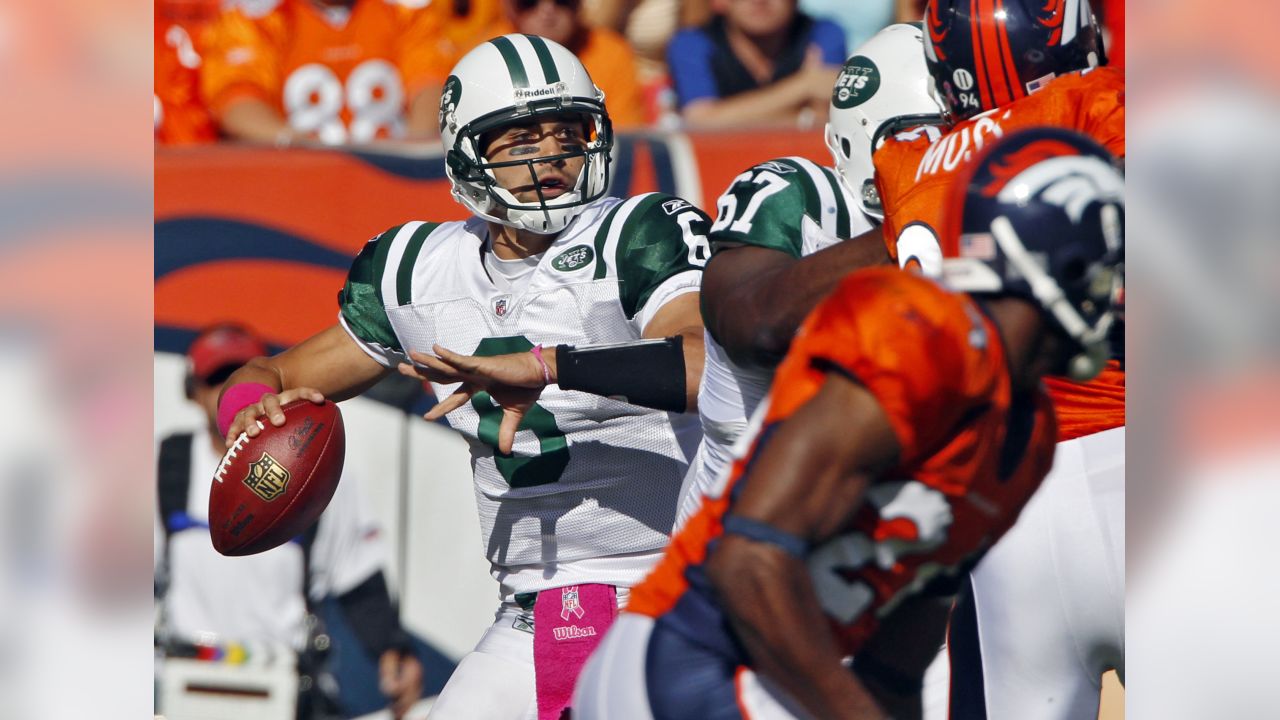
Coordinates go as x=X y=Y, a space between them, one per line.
x=915 y=171
x=180 y=115
x=241 y=59
x=418 y=52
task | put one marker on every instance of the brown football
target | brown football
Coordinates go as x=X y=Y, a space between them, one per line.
x=272 y=488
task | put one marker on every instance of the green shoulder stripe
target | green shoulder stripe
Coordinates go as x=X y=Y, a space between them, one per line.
x=662 y=237
x=360 y=299
x=404 y=277
x=602 y=239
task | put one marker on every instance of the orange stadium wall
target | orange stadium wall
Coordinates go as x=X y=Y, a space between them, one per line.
x=264 y=236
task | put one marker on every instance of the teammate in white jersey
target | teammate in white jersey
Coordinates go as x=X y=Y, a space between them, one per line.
x=788 y=230
x=596 y=297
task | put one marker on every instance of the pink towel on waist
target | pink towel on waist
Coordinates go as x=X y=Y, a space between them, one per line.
x=568 y=623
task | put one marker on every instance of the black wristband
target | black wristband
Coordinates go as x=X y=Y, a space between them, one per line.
x=649 y=373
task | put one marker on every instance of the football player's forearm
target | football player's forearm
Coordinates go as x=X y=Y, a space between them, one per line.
x=775 y=613
x=256 y=371
x=650 y=373
x=682 y=316
x=329 y=361
x=754 y=305
x=800 y=287
x=695 y=354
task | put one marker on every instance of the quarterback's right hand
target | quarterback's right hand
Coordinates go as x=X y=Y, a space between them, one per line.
x=246 y=420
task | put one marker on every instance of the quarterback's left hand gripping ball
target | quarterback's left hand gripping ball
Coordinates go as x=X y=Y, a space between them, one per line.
x=272 y=488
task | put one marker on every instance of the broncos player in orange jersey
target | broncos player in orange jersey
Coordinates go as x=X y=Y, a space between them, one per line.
x=1050 y=628
x=179 y=116
x=904 y=431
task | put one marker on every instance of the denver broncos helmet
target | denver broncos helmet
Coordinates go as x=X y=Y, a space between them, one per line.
x=984 y=54
x=1040 y=215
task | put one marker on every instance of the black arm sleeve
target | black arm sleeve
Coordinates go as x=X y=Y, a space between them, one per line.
x=373 y=618
x=649 y=373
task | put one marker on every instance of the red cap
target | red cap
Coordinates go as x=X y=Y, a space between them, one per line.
x=220 y=346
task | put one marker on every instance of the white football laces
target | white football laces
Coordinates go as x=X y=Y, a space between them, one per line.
x=231 y=453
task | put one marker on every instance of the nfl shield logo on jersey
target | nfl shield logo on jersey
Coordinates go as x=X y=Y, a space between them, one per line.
x=500 y=305
x=569 y=604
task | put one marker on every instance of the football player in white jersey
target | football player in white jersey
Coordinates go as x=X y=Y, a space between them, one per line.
x=788 y=230
x=577 y=488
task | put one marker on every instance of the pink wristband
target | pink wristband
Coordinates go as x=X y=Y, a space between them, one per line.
x=236 y=398
x=546 y=371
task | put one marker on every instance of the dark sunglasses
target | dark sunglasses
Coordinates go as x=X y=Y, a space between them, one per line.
x=219 y=376
x=527 y=5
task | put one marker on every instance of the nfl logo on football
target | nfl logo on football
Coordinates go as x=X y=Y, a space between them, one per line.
x=267 y=478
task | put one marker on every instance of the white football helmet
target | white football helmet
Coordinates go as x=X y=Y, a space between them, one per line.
x=513 y=78
x=882 y=89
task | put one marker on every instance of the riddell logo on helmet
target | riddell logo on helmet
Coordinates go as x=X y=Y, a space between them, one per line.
x=536 y=93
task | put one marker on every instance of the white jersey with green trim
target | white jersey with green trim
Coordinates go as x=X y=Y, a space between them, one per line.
x=589 y=477
x=791 y=205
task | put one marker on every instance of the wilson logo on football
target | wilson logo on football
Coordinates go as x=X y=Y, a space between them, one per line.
x=267 y=478
x=574 y=258
x=302 y=437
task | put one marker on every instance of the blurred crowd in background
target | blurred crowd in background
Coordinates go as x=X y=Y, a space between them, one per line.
x=367 y=71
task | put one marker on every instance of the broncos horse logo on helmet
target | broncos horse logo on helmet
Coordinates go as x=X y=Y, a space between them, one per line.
x=984 y=54
x=511 y=79
x=1040 y=214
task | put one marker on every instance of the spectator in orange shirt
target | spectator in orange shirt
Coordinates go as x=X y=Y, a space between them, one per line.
x=179 y=116
x=606 y=54
x=336 y=71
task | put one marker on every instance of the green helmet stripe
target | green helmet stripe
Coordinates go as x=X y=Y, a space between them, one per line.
x=515 y=66
x=404 y=277
x=544 y=58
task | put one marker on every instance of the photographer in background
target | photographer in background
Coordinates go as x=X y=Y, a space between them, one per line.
x=267 y=599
